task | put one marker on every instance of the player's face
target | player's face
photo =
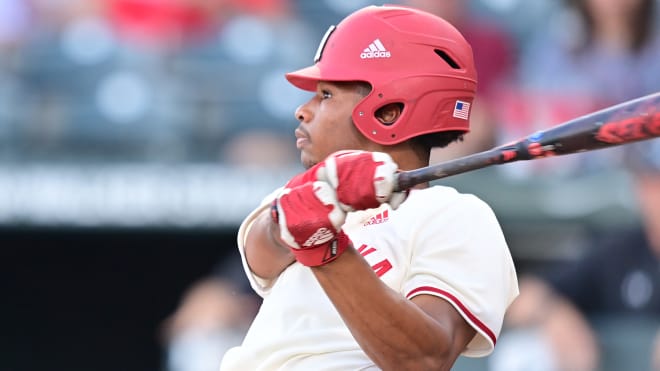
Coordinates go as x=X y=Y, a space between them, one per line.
x=326 y=125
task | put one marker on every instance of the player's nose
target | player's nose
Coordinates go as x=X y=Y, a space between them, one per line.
x=302 y=113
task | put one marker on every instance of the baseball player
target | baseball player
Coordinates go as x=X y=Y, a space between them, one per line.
x=353 y=275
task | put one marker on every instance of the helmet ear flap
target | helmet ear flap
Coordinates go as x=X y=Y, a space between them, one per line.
x=381 y=119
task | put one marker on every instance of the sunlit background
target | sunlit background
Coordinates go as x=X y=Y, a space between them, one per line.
x=136 y=134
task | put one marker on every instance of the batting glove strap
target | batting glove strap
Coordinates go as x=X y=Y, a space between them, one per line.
x=323 y=254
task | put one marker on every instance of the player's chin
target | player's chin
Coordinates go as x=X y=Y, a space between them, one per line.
x=307 y=160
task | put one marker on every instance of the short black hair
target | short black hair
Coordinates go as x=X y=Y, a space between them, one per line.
x=440 y=139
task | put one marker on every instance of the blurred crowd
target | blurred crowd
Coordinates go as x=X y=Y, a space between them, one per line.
x=192 y=80
x=147 y=80
x=202 y=81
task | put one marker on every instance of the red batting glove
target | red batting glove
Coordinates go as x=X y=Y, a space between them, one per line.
x=363 y=180
x=306 y=177
x=310 y=221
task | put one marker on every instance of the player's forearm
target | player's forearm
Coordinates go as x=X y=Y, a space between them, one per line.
x=393 y=331
x=266 y=255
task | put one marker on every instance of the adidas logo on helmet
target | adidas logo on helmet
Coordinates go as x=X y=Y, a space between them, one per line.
x=375 y=50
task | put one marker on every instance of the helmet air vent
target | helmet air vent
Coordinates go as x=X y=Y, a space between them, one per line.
x=452 y=63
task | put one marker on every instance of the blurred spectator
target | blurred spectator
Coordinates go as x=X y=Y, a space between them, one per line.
x=274 y=151
x=15 y=22
x=591 y=54
x=176 y=23
x=617 y=278
x=165 y=24
x=606 y=50
x=656 y=353
x=213 y=316
x=495 y=57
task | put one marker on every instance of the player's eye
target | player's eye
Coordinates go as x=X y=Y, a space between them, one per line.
x=325 y=94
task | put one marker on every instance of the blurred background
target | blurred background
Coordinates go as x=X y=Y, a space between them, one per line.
x=136 y=134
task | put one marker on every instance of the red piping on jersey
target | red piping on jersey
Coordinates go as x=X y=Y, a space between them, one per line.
x=451 y=297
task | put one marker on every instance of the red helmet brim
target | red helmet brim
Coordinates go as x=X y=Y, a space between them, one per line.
x=305 y=78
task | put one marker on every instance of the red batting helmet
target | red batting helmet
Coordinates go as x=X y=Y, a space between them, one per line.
x=408 y=56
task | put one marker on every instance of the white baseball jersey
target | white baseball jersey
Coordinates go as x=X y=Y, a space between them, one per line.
x=438 y=242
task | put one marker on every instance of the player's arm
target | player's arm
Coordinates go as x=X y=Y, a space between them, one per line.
x=265 y=252
x=266 y=255
x=396 y=333
x=424 y=333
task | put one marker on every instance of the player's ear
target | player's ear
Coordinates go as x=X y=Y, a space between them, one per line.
x=389 y=113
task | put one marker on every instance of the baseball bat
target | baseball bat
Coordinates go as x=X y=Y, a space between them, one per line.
x=631 y=121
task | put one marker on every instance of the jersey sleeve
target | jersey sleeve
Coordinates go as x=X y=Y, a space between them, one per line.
x=461 y=256
x=259 y=285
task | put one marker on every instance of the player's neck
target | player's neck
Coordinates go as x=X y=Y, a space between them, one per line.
x=408 y=157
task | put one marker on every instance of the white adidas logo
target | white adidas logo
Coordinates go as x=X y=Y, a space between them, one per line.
x=378 y=219
x=321 y=236
x=375 y=50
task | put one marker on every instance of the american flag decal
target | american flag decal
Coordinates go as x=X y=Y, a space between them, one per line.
x=461 y=110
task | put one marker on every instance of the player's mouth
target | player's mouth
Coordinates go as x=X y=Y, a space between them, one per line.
x=302 y=138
